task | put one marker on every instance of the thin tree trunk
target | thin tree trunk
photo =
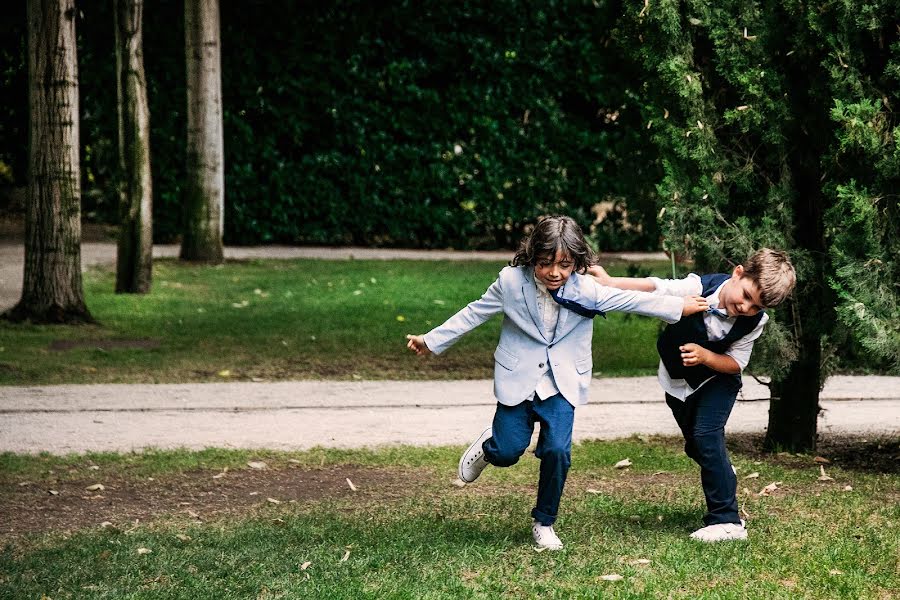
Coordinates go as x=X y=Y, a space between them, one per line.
x=204 y=188
x=794 y=408
x=134 y=265
x=52 y=289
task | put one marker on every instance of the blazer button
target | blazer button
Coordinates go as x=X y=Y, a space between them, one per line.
x=541 y=366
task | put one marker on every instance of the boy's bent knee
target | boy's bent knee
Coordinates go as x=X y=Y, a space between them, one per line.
x=505 y=458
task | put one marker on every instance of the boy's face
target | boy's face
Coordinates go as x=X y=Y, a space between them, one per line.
x=554 y=271
x=740 y=296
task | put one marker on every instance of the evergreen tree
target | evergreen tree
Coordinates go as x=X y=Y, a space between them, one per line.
x=777 y=126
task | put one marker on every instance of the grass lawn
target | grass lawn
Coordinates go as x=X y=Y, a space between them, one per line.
x=288 y=319
x=204 y=525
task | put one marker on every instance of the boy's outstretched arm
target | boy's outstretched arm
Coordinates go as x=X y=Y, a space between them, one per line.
x=638 y=284
x=693 y=355
x=693 y=303
x=417 y=344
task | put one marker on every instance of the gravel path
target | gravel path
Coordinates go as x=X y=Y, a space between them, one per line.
x=305 y=414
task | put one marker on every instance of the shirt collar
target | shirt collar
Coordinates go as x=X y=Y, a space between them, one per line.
x=713 y=299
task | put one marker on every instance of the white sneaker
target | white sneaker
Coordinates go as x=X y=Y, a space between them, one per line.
x=721 y=532
x=472 y=462
x=545 y=537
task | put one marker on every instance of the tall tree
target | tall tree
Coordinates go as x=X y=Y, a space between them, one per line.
x=777 y=126
x=204 y=188
x=134 y=265
x=52 y=290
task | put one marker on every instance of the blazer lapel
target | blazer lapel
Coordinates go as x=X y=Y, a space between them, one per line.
x=530 y=293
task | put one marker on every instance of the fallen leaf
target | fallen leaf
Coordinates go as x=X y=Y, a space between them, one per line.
x=768 y=489
x=305 y=566
x=848 y=488
x=350 y=483
x=753 y=475
x=835 y=572
x=623 y=463
x=273 y=501
x=93 y=468
x=144 y=550
x=105 y=524
x=743 y=107
x=182 y=537
x=97 y=487
x=641 y=561
x=822 y=475
x=612 y=577
x=346 y=556
x=593 y=491
x=822 y=460
x=459 y=483
x=539 y=549
x=24 y=483
x=293 y=461
x=257 y=464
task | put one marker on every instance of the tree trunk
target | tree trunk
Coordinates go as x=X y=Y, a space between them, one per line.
x=204 y=188
x=794 y=407
x=134 y=265
x=52 y=290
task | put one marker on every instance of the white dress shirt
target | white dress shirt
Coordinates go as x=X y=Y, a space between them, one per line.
x=717 y=327
x=548 y=308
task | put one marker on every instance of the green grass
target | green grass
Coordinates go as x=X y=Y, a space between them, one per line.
x=809 y=539
x=297 y=319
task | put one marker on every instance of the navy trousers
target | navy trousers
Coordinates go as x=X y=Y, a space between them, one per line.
x=512 y=430
x=702 y=417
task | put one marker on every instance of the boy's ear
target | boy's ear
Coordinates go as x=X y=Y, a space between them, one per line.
x=738 y=272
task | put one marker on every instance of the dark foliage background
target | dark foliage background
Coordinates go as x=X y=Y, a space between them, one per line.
x=421 y=124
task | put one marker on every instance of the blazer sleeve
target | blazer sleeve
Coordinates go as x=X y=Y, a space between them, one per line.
x=471 y=316
x=667 y=308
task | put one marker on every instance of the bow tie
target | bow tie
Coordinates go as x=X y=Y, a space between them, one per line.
x=717 y=312
x=576 y=308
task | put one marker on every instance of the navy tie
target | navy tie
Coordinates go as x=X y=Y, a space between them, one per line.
x=590 y=313
x=717 y=312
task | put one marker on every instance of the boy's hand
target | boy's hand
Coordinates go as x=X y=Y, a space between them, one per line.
x=694 y=305
x=417 y=344
x=693 y=355
x=600 y=274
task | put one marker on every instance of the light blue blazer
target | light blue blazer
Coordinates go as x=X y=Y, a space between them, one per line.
x=523 y=350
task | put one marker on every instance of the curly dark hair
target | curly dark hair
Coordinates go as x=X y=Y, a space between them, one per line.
x=552 y=234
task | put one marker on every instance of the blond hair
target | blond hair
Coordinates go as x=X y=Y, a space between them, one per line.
x=773 y=273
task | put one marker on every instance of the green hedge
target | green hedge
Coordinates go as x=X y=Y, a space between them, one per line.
x=427 y=124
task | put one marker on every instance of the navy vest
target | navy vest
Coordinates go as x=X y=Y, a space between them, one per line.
x=692 y=329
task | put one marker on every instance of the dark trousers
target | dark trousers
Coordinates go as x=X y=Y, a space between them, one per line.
x=702 y=417
x=512 y=430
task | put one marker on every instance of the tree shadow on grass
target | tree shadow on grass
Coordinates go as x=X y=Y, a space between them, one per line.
x=861 y=453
